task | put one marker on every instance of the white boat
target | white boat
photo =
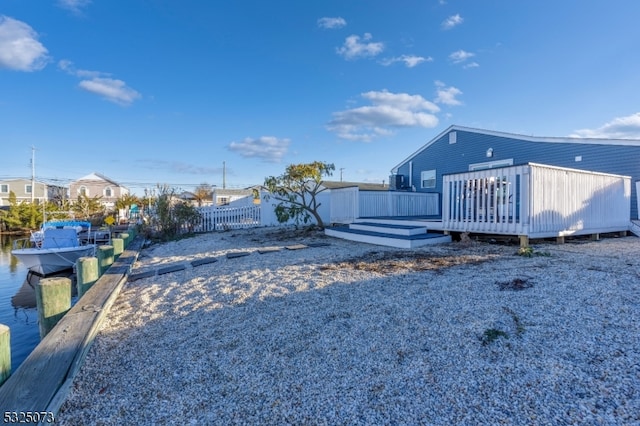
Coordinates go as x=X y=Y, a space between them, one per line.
x=56 y=247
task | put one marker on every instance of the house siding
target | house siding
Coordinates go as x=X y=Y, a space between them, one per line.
x=471 y=148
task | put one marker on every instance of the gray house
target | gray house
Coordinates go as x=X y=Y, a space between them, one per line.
x=27 y=190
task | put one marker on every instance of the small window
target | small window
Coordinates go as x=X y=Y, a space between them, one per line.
x=83 y=191
x=108 y=192
x=4 y=189
x=453 y=137
x=578 y=158
x=428 y=179
x=28 y=189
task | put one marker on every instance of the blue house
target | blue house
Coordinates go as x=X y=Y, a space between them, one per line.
x=482 y=181
x=525 y=185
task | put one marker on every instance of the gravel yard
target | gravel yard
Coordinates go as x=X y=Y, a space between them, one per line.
x=339 y=332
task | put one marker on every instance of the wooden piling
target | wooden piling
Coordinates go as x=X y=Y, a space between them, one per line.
x=87 y=273
x=118 y=247
x=105 y=258
x=5 y=353
x=53 y=299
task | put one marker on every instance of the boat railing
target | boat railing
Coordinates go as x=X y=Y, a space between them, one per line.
x=23 y=243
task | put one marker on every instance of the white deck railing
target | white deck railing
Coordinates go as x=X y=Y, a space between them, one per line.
x=536 y=200
x=348 y=204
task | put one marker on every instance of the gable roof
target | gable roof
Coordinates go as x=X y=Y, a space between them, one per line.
x=97 y=176
x=544 y=139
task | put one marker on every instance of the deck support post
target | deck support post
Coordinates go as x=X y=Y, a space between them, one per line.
x=559 y=240
x=595 y=237
x=53 y=300
x=5 y=353
x=105 y=258
x=87 y=273
x=524 y=241
x=623 y=233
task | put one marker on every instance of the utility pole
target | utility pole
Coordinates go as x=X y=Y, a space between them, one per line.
x=33 y=172
x=341 y=169
x=224 y=175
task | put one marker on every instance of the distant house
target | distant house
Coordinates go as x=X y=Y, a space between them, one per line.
x=233 y=197
x=95 y=184
x=25 y=191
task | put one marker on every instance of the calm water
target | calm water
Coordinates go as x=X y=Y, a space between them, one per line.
x=18 y=302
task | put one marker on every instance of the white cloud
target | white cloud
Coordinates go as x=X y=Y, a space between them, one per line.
x=471 y=65
x=111 y=89
x=331 y=23
x=75 y=6
x=20 y=49
x=410 y=61
x=354 y=48
x=619 y=128
x=267 y=148
x=101 y=84
x=460 y=56
x=452 y=21
x=68 y=67
x=388 y=111
x=447 y=95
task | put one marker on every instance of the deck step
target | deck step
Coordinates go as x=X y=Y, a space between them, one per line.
x=392 y=229
x=634 y=227
x=386 y=239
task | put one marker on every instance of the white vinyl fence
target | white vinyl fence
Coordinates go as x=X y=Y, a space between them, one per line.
x=225 y=218
x=348 y=204
x=536 y=200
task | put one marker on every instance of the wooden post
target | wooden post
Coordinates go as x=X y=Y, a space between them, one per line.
x=595 y=237
x=559 y=240
x=118 y=247
x=524 y=241
x=125 y=238
x=53 y=299
x=105 y=258
x=87 y=273
x=5 y=353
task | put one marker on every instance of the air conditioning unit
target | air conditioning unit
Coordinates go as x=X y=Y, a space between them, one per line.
x=396 y=182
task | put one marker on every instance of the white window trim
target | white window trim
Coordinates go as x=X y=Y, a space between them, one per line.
x=104 y=192
x=428 y=175
x=490 y=164
x=4 y=185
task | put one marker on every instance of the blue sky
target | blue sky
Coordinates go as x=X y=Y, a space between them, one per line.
x=165 y=92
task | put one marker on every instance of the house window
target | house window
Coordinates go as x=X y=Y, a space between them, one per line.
x=83 y=191
x=4 y=189
x=428 y=179
x=28 y=189
x=491 y=165
x=108 y=192
x=453 y=137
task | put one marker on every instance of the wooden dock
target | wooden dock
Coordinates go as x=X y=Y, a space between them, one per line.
x=42 y=381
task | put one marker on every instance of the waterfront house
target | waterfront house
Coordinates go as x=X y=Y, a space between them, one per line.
x=95 y=184
x=493 y=182
x=27 y=190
